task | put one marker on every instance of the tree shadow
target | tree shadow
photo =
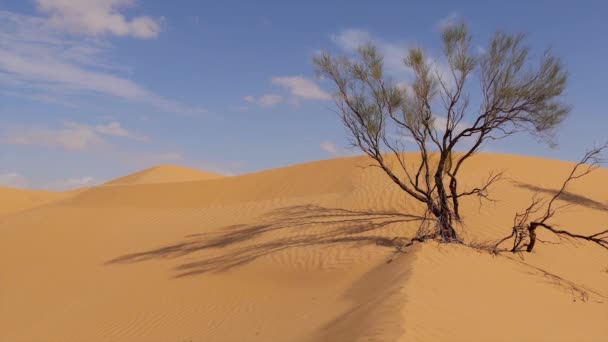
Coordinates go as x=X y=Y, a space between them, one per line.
x=284 y=228
x=576 y=290
x=566 y=196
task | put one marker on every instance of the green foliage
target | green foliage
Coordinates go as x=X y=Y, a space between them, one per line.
x=456 y=46
x=516 y=95
x=531 y=94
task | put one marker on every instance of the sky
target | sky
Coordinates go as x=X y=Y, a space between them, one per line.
x=91 y=90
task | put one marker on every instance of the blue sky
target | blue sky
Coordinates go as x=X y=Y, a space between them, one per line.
x=94 y=89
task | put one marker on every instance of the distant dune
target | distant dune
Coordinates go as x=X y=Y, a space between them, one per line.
x=163 y=174
x=300 y=253
x=16 y=200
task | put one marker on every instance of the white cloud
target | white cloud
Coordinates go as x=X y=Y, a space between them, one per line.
x=13 y=180
x=352 y=39
x=394 y=53
x=266 y=100
x=299 y=87
x=114 y=128
x=269 y=100
x=43 y=98
x=98 y=17
x=58 y=73
x=329 y=147
x=404 y=87
x=440 y=122
x=38 y=61
x=302 y=87
x=333 y=150
x=451 y=19
x=443 y=73
x=71 y=136
x=72 y=183
x=439 y=126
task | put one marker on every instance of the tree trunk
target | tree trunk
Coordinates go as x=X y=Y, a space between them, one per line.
x=532 y=233
x=455 y=204
x=446 y=230
x=444 y=214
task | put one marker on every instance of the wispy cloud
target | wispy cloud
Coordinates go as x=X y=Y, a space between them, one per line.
x=13 y=180
x=114 y=128
x=16 y=180
x=70 y=136
x=351 y=39
x=302 y=87
x=71 y=183
x=439 y=125
x=335 y=151
x=98 y=17
x=329 y=147
x=394 y=52
x=440 y=122
x=38 y=60
x=269 y=100
x=266 y=100
x=451 y=19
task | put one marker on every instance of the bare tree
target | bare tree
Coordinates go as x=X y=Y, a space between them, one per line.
x=516 y=95
x=524 y=226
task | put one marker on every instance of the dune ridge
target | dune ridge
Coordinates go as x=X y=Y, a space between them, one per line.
x=163 y=174
x=302 y=253
x=16 y=200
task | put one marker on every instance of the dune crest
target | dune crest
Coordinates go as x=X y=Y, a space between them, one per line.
x=163 y=174
x=302 y=253
x=17 y=200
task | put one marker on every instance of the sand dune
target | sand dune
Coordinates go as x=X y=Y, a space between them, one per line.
x=297 y=254
x=163 y=174
x=17 y=200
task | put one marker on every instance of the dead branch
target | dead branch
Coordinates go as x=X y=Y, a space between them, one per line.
x=524 y=229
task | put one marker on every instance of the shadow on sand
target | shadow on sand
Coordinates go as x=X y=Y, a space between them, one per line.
x=566 y=196
x=307 y=225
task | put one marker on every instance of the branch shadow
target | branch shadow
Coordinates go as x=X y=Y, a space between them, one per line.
x=576 y=290
x=566 y=196
x=295 y=224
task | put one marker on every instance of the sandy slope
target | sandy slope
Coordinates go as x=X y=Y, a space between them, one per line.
x=17 y=200
x=163 y=174
x=297 y=254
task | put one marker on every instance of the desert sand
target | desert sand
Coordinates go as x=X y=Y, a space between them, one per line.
x=163 y=174
x=18 y=200
x=301 y=253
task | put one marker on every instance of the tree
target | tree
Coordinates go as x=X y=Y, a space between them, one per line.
x=516 y=95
